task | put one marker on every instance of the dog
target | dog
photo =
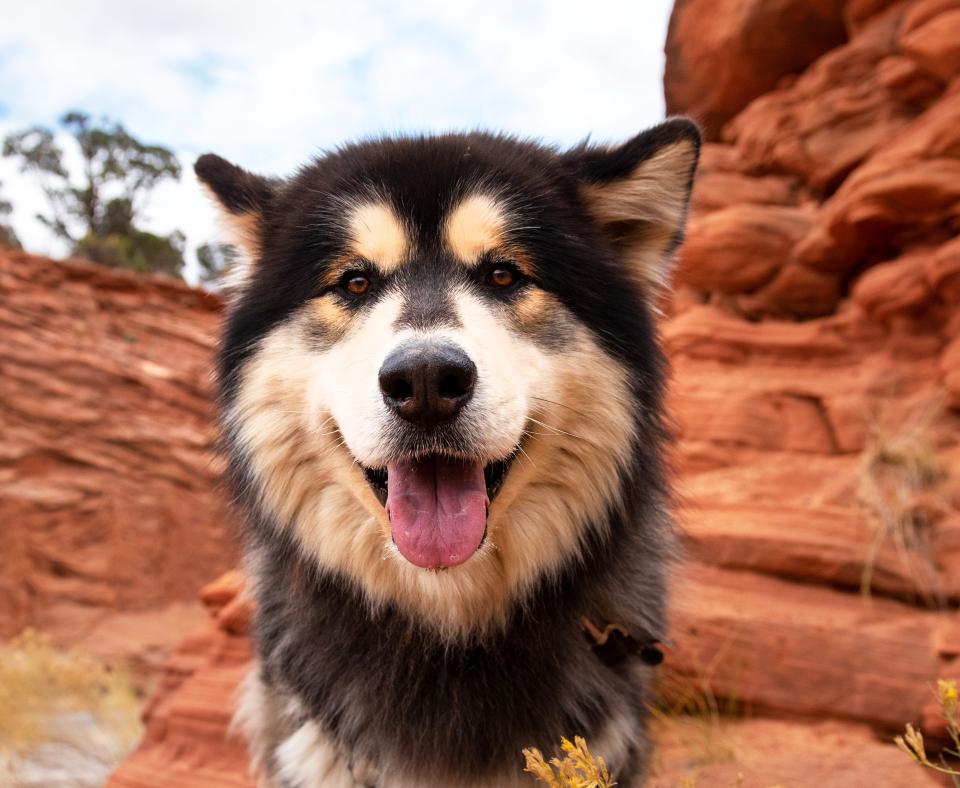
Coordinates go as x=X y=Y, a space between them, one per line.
x=441 y=394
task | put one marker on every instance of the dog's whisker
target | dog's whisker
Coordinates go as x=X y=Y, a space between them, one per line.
x=556 y=430
x=542 y=434
x=524 y=453
x=562 y=405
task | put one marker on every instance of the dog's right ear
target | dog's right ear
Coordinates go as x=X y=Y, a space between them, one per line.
x=242 y=200
x=638 y=194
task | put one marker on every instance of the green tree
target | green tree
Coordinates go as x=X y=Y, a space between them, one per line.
x=96 y=211
x=8 y=238
x=215 y=262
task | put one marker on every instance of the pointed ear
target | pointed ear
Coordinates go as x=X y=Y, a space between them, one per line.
x=242 y=199
x=639 y=191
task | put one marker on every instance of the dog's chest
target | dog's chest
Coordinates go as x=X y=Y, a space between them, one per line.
x=391 y=694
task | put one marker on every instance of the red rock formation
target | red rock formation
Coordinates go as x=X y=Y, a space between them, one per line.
x=801 y=650
x=188 y=741
x=107 y=479
x=847 y=104
x=763 y=752
x=816 y=387
x=721 y=54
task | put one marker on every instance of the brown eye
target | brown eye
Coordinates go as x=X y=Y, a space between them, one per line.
x=357 y=284
x=501 y=277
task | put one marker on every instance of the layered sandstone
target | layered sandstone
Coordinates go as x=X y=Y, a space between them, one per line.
x=108 y=498
x=815 y=386
x=189 y=740
x=721 y=54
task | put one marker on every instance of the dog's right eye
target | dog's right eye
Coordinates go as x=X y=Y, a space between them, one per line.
x=501 y=276
x=355 y=283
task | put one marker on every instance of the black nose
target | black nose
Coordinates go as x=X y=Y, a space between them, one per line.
x=427 y=385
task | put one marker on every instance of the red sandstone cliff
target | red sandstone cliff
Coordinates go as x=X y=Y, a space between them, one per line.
x=110 y=517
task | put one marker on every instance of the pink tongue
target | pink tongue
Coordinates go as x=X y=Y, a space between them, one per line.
x=438 y=509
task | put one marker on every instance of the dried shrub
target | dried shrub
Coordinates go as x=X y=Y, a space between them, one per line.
x=65 y=718
x=899 y=470
x=911 y=741
x=579 y=768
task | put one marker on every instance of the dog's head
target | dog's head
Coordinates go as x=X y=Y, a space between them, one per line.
x=439 y=353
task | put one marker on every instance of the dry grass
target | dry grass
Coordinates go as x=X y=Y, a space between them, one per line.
x=689 y=711
x=65 y=718
x=578 y=768
x=899 y=469
x=911 y=742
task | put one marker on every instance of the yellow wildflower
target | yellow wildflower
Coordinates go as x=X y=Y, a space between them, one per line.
x=579 y=769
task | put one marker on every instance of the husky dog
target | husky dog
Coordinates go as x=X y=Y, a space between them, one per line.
x=441 y=396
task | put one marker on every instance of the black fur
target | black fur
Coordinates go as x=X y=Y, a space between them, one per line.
x=426 y=296
x=600 y=165
x=385 y=685
x=237 y=190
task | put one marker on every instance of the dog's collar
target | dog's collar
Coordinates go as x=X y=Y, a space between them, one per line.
x=613 y=644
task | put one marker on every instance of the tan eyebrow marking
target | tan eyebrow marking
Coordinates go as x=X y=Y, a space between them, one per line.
x=333 y=317
x=533 y=307
x=476 y=226
x=377 y=234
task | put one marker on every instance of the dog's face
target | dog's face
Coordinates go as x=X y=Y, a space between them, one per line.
x=432 y=355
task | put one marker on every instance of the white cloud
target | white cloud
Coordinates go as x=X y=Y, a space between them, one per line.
x=268 y=86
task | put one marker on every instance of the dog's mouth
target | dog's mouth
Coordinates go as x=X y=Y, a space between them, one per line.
x=437 y=505
x=493 y=475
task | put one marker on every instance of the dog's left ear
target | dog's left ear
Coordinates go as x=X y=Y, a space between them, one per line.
x=638 y=193
x=242 y=200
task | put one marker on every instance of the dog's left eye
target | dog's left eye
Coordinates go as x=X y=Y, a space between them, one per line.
x=355 y=283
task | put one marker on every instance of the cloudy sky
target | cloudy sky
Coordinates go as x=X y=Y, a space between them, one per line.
x=268 y=85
